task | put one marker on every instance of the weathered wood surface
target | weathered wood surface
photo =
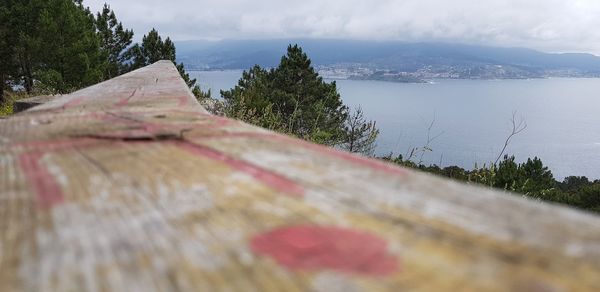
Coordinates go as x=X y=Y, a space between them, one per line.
x=130 y=185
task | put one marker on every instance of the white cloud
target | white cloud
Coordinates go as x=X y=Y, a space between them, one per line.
x=549 y=25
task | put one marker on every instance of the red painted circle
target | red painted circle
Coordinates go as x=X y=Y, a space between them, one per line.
x=317 y=248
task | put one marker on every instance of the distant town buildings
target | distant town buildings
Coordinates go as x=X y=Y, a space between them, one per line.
x=426 y=73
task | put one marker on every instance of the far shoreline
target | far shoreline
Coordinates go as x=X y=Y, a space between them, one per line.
x=425 y=81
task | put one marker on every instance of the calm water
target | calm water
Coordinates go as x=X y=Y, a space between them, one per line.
x=473 y=118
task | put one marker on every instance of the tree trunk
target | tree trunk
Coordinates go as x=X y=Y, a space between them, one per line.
x=25 y=65
x=28 y=80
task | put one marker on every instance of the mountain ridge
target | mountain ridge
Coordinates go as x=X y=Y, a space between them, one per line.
x=389 y=55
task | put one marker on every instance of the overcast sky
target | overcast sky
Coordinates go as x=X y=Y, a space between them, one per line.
x=548 y=25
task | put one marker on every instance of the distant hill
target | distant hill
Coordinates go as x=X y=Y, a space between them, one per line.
x=387 y=55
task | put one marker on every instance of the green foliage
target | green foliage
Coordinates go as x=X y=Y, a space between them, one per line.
x=248 y=101
x=114 y=41
x=22 y=19
x=573 y=183
x=531 y=179
x=359 y=134
x=589 y=197
x=266 y=118
x=400 y=160
x=309 y=105
x=49 y=80
x=294 y=93
x=507 y=174
x=539 y=179
x=52 y=41
x=71 y=47
x=58 y=46
x=7 y=51
x=481 y=175
x=151 y=50
x=454 y=172
x=251 y=91
x=581 y=192
x=6 y=106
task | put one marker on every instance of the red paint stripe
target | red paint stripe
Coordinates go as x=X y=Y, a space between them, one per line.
x=316 y=248
x=47 y=189
x=45 y=186
x=371 y=163
x=273 y=180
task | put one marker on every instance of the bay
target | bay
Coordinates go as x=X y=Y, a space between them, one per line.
x=471 y=118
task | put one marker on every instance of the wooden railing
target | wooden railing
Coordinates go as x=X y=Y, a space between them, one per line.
x=130 y=185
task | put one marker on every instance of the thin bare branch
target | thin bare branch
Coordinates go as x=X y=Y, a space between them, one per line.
x=517 y=127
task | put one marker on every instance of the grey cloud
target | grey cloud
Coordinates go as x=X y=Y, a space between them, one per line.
x=549 y=25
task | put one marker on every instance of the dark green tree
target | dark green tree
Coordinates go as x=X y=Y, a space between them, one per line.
x=455 y=172
x=535 y=177
x=531 y=178
x=7 y=48
x=589 y=197
x=55 y=45
x=251 y=94
x=114 y=41
x=151 y=50
x=72 y=55
x=574 y=183
x=308 y=107
x=22 y=23
x=508 y=174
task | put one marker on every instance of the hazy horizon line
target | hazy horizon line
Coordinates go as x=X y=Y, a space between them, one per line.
x=292 y=39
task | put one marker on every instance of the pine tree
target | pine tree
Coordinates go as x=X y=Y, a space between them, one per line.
x=251 y=92
x=310 y=106
x=537 y=177
x=151 y=50
x=114 y=41
x=7 y=41
x=55 y=45
x=307 y=106
x=508 y=174
x=23 y=23
x=72 y=57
